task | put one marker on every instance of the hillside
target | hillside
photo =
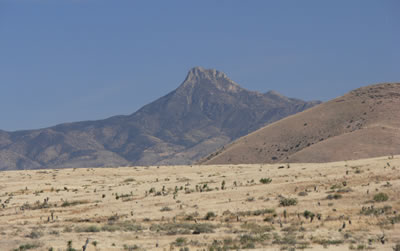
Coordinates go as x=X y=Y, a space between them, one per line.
x=206 y=111
x=364 y=123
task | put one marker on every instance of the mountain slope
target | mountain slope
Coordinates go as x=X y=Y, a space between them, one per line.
x=361 y=124
x=205 y=112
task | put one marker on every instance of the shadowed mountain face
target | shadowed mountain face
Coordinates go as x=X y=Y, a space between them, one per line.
x=205 y=112
x=364 y=123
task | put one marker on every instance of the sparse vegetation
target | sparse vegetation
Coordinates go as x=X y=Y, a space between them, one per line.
x=265 y=180
x=27 y=246
x=180 y=241
x=73 y=203
x=381 y=197
x=396 y=247
x=131 y=247
x=87 y=229
x=335 y=196
x=285 y=202
x=165 y=209
x=210 y=215
x=237 y=212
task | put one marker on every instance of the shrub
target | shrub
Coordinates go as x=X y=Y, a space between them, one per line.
x=27 y=246
x=165 y=209
x=303 y=193
x=69 y=246
x=210 y=215
x=180 y=241
x=265 y=180
x=73 y=203
x=34 y=234
x=87 y=229
x=250 y=199
x=285 y=202
x=256 y=212
x=308 y=214
x=335 y=196
x=375 y=211
x=130 y=248
x=380 y=197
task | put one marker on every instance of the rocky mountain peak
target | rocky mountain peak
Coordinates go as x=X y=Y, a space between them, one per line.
x=201 y=76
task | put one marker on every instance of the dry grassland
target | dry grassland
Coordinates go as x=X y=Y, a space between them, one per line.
x=333 y=206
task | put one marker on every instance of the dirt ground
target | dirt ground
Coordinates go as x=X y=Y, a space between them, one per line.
x=331 y=206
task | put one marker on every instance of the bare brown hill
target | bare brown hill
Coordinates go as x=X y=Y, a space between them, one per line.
x=207 y=111
x=361 y=124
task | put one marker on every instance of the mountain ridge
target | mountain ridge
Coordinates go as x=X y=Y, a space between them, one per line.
x=206 y=111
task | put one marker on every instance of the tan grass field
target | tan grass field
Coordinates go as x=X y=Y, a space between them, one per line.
x=189 y=208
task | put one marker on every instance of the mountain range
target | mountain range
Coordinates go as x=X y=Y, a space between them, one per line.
x=207 y=111
x=364 y=123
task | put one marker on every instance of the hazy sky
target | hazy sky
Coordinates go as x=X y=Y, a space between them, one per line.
x=71 y=60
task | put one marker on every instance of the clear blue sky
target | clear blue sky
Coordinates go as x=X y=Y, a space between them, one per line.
x=72 y=60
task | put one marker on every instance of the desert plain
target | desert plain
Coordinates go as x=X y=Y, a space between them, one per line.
x=348 y=205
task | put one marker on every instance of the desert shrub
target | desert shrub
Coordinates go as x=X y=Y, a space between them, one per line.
x=268 y=219
x=34 y=234
x=397 y=247
x=375 y=211
x=73 y=203
x=265 y=180
x=288 y=239
x=380 y=197
x=250 y=199
x=248 y=241
x=165 y=209
x=191 y=216
x=210 y=215
x=180 y=241
x=54 y=232
x=35 y=206
x=130 y=248
x=27 y=246
x=345 y=190
x=303 y=193
x=325 y=242
x=335 y=196
x=69 y=246
x=256 y=212
x=395 y=219
x=307 y=214
x=285 y=202
x=87 y=229
x=336 y=186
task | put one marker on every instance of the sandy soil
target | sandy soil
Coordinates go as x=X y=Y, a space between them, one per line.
x=166 y=207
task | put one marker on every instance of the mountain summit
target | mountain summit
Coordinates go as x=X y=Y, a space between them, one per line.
x=210 y=78
x=207 y=111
